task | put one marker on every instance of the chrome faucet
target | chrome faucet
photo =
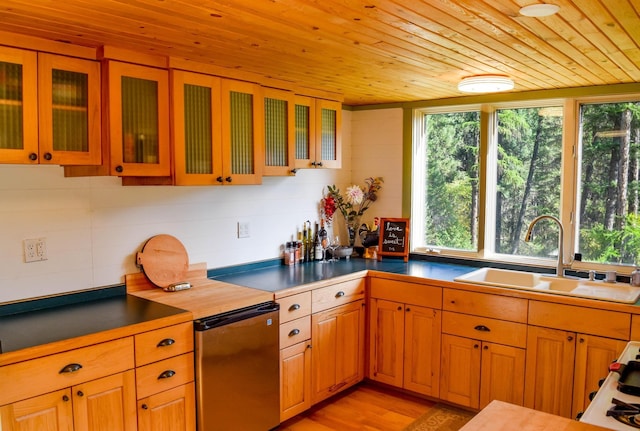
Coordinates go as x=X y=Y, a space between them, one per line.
x=527 y=238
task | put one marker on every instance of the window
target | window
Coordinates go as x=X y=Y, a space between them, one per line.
x=609 y=166
x=482 y=173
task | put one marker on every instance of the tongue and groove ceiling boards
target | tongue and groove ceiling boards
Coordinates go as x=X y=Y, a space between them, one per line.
x=371 y=51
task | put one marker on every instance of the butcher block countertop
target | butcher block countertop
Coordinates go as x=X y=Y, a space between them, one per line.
x=501 y=416
x=205 y=297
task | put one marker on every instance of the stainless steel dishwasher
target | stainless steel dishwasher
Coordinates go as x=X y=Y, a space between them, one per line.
x=238 y=370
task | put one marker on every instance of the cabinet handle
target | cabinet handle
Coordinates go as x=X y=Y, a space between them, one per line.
x=294 y=307
x=485 y=347
x=294 y=171
x=48 y=156
x=33 y=156
x=581 y=340
x=308 y=346
x=80 y=393
x=319 y=164
x=219 y=179
x=166 y=342
x=475 y=346
x=65 y=398
x=294 y=332
x=144 y=407
x=340 y=294
x=71 y=368
x=228 y=179
x=399 y=307
x=167 y=374
x=313 y=163
x=482 y=328
x=570 y=338
x=119 y=169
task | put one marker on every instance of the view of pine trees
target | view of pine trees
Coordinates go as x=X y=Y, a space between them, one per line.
x=527 y=181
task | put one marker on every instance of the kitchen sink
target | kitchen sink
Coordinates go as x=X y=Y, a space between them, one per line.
x=614 y=292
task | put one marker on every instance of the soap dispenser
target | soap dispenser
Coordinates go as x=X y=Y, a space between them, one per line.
x=635 y=277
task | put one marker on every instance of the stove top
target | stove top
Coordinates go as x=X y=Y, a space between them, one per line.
x=604 y=411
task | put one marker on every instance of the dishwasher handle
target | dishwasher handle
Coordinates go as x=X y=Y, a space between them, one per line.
x=218 y=320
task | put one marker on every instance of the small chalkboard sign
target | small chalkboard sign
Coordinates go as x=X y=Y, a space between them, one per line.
x=394 y=238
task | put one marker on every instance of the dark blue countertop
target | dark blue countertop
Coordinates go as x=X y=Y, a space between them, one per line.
x=279 y=277
x=42 y=324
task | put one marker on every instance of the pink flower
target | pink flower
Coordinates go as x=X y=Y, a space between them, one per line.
x=354 y=195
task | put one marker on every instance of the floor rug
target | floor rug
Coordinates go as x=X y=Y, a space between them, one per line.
x=441 y=417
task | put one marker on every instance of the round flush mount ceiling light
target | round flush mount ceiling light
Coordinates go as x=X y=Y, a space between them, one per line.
x=540 y=10
x=485 y=84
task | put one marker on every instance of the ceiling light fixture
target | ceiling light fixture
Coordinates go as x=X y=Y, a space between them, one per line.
x=540 y=10
x=485 y=84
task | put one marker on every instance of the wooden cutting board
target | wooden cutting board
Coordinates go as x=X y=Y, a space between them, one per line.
x=164 y=260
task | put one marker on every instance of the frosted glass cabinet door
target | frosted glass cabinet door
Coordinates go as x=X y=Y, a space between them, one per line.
x=242 y=132
x=329 y=134
x=18 y=106
x=279 y=132
x=69 y=110
x=138 y=120
x=196 y=128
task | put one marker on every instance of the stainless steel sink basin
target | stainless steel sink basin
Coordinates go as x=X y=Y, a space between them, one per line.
x=615 y=292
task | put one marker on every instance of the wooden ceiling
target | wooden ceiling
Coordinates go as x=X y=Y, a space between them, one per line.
x=371 y=51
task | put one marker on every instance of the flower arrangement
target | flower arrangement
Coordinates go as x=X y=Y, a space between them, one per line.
x=353 y=203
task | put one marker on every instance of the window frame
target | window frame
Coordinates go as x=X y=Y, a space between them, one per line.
x=570 y=171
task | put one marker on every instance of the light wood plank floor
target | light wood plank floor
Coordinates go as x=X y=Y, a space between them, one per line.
x=366 y=407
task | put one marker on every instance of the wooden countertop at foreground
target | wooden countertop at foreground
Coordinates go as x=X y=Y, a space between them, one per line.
x=205 y=298
x=501 y=416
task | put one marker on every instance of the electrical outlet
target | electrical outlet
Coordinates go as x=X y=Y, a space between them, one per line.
x=35 y=250
x=244 y=229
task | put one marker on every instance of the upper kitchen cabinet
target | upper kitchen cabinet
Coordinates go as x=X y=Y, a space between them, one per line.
x=318 y=133
x=18 y=106
x=69 y=110
x=242 y=132
x=136 y=120
x=196 y=131
x=279 y=132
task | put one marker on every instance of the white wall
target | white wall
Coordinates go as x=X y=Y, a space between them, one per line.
x=95 y=226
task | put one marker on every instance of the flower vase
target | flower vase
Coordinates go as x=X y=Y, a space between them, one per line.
x=352 y=224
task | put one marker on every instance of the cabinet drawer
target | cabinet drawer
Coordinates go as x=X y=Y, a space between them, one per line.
x=160 y=376
x=606 y=323
x=485 y=329
x=163 y=343
x=337 y=294
x=295 y=306
x=407 y=293
x=41 y=375
x=482 y=304
x=295 y=331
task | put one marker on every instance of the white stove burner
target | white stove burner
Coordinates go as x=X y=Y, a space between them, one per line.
x=596 y=413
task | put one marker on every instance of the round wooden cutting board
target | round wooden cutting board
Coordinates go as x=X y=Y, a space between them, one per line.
x=164 y=260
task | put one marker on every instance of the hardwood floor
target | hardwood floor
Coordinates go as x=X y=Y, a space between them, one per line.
x=366 y=407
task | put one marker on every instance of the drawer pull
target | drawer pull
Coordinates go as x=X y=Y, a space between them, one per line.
x=294 y=332
x=166 y=342
x=482 y=328
x=145 y=407
x=65 y=398
x=167 y=374
x=71 y=368
x=340 y=294
x=80 y=393
x=294 y=307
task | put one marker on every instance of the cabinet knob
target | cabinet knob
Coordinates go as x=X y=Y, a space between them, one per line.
x=313 y=163
x=294 y=307
x=228 y=179
x=399 y=307
x=294 y=171
x=65 y=398
x=570 y=338
x=408 y=309
x=119 y=169
x=71 y=368
x=219 y=179
x=166 y=374
x=294 y=332
x=33 y=156
x=80 y=393
x=340 y=294
x=48 y=156
x=581 y=340
x=144 y=407
x=475 y=346
x=485 y=347
x=166 y=342
x=319 y=164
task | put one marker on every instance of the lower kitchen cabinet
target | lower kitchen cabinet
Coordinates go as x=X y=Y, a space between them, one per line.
x=404 y=346
x=171 y=410
x=337 y=354
x=563 y=367
x=295 y=376
x=107 y=403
